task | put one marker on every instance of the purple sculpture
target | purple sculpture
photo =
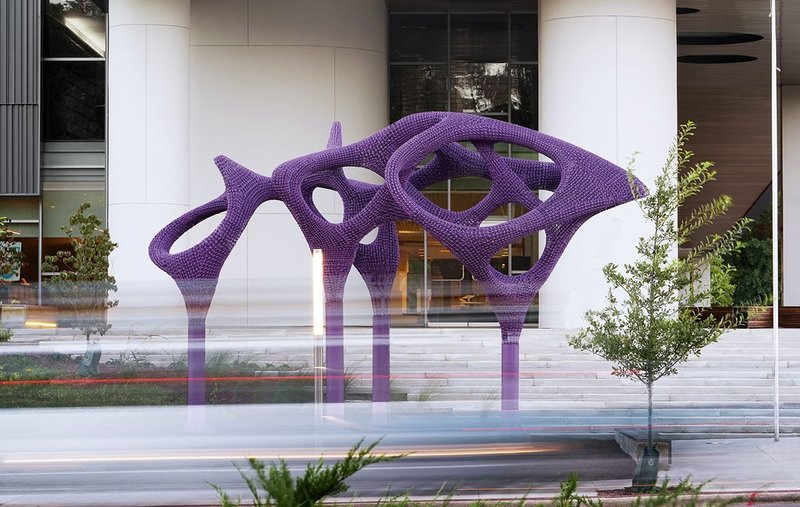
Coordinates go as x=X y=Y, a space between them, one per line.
x=196 y=270
x=582 y=185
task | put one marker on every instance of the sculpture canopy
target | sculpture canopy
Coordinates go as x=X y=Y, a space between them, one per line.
x=582 y=185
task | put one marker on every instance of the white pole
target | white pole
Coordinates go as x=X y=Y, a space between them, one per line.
x=318 y=323
x=775 y=281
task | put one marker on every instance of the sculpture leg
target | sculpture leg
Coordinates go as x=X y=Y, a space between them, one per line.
x=196 y=362
x=509 y=390
x=334 y=351
x=380 y=357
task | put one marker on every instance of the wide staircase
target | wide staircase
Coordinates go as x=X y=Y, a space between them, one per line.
x=727 y=389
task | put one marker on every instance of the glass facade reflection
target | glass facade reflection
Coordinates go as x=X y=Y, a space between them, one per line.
x=477 y=63
x=74 y=115
x=73 y=29
x=73 y=132
x=74 y=97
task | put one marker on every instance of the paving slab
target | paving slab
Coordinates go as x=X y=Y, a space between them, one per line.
x=738 y=464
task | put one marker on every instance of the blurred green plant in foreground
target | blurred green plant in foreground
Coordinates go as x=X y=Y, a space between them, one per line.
x=274 y=486
x=280 y=489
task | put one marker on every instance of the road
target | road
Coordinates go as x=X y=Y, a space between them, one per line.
x=168 y=480
x=168 y=455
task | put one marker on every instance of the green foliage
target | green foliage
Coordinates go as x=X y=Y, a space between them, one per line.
x=83 y=281
x=11 y=258
x=319 y=481
x=722 y=284
x=26 y=395
x=428 y=391
x=682 y=495
x=752 y=261
x=648 y=325
x=307 y=491
x=130 y=362
x=35 y=366
x=6 y=377
x=569 y=497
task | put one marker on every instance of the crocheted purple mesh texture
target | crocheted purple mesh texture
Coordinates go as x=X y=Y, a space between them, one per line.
x=583 y=185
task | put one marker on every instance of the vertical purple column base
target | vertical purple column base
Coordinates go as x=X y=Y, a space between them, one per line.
x=380 y=357
x=509 y=390
x=334 y=352
x=196 y=362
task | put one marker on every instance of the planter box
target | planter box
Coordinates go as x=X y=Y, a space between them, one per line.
x=755 y=317
x=634 y=441
x=759 y=317
x=13 y=316
x=720 y=312
x=41 y=317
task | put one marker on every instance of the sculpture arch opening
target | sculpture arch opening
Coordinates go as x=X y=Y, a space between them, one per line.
x=329 y=204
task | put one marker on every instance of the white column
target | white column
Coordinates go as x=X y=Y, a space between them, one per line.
x=267 y=80
x=790 y=113
x=148 y=145
x=608 y=84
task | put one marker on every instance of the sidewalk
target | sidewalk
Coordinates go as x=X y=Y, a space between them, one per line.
x=739 y=464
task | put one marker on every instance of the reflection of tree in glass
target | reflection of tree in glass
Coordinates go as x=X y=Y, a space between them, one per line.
x=415 y=89
x=74 y=101
x=74 y=28
x=523 y=99
x=80 y=7
x=482 y=86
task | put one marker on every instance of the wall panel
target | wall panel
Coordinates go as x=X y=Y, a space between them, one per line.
x=19 y=97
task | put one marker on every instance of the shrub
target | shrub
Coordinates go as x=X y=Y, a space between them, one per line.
x=279 y=489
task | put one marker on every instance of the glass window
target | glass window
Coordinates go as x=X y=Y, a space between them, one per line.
x=17 y=287
x=467 y=192
x=523 y=38
x=74 y=99
x=59 y=205
x=479 y=38
x=489 y=68
x=417 y=88
x=73 y=28
x=418 y=38
x=479 y=87
x=19 y=208
x=524 y=95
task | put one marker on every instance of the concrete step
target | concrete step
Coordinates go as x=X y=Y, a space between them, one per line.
x=461 y=367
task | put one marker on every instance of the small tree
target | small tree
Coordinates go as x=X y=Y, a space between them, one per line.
x=649 y=325
x=83 y=282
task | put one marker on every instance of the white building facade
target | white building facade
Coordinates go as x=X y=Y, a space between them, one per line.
x=261 y=81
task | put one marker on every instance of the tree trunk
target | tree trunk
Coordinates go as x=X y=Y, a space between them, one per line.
x=650 y=444
x=90 y=365
x=645 y=475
